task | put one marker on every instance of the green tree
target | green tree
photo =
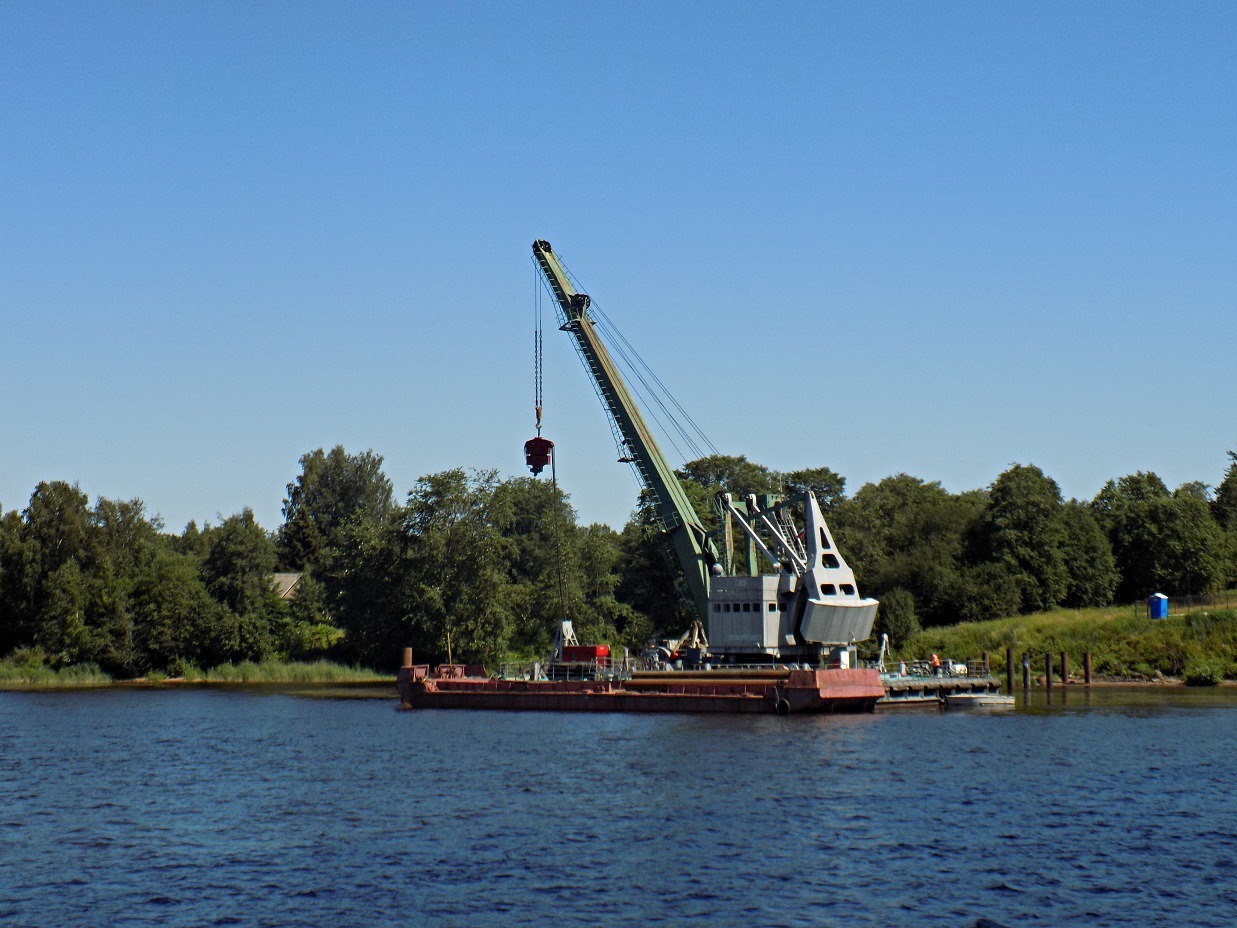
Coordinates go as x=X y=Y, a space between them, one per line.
x=1091 y=571
x=651 y=580
x=906 y=533
x=1022 y=529
x=365 y=582
x=237 y=571
x=61 y=630
x=896 y=617
x=1161 y=542
x=1224 y=507
x=14 y=622
x=48 y=545
x=333 y=488
x=175 y=619
x=730 y=473
x=456 y=567
x=828 y=485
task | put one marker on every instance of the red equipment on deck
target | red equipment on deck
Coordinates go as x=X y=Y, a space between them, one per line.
x=587 y=653
x=537 y=453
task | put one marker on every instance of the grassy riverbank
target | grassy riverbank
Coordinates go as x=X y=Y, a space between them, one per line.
x=1122 y=643
x=27 y=675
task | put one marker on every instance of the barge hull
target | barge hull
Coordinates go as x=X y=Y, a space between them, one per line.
x=805 y=691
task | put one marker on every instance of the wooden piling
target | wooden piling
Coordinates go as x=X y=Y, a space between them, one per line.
x=407 y=657
x=1026 y=671
x=1009 y=670
x=984 y=658
x=1048 y=671
x=1086 y=667
x=1064 y=668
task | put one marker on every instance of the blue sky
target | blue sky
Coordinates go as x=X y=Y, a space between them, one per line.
x=883 y=237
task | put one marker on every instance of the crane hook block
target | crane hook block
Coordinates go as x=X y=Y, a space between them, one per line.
x=537 y=453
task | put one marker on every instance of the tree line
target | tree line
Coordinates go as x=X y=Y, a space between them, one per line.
x=477 y=568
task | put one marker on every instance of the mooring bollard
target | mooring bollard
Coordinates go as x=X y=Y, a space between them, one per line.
x=1048 y=671
x=1086 y=667
x=1009 y=670
x=1064 y=668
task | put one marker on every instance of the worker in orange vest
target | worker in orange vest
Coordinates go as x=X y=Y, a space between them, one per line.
x=935 y=664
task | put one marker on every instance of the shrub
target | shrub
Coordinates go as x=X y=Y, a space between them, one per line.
x=1203 y=673
x=185 y=669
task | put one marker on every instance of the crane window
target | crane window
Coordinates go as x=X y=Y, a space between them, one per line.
x=828 y=589
x=848 y=589
x=831 y=560
x=717 y=607
x=824 y=540
x=773 y=607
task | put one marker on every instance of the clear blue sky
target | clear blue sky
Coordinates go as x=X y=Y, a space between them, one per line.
x=933 y=238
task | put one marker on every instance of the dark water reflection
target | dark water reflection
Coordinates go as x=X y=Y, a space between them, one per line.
x=222 y=807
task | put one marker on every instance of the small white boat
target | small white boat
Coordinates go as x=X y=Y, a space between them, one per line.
x=979 y=701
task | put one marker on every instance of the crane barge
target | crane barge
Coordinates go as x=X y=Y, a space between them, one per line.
x=779 y=642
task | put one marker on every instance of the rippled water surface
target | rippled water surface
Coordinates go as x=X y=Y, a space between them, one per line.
x=210 y=807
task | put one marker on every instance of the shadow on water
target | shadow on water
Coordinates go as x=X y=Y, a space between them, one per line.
x=1120 y=697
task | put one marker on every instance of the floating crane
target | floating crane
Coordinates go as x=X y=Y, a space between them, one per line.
x=808 y=610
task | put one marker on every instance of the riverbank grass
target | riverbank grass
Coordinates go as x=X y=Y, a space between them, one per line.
x=1123 y=643
x=18 y=673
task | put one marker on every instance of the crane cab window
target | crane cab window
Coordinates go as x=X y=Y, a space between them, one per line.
x=773 y=607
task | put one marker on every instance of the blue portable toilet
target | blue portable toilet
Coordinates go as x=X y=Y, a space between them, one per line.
x=1157 y=605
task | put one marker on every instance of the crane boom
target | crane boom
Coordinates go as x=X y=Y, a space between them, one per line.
x=693 y=547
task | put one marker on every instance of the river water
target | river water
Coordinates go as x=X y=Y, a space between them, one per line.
x=233 y=807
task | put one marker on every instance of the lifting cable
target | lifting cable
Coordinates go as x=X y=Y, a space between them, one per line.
x=655 y=396
x=538 y=404
x=537 y=353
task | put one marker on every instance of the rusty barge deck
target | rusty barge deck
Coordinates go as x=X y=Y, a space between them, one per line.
x=769 y=691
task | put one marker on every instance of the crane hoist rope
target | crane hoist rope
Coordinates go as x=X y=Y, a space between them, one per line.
x=539 y=451
x=647 y=388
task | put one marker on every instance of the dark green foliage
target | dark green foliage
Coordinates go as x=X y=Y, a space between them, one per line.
x=481 y=568
x=103 y=585
x=1224 y=506
x=363 y=591
x=1203 y=673
x=896 y=617
x=730 y=473
x=332 y=489
x=986 y=591
x=904 y=533
x=456 y=560
x=1091 y=572
x=651 y=580
x=1162 y=542
x=1022 y=531
x=828 y=485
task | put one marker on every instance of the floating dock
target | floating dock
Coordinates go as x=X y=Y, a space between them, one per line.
x=909 y=690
